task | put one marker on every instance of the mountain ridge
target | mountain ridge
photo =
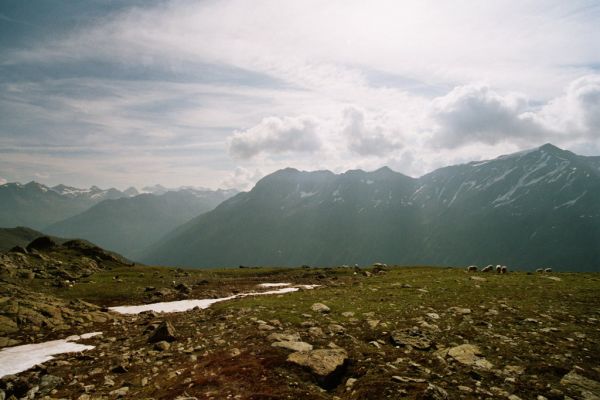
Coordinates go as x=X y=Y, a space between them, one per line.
x=529 y=208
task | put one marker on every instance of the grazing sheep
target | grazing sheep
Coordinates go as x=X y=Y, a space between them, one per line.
x=539 y=270
x=548 y=270
x=472 y=268
x=489 y=268
x=504 y=269
x=498 y=268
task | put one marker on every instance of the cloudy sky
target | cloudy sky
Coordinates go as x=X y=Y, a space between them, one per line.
x=220 y=93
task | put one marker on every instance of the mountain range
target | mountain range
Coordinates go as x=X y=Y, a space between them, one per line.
x=36 y=206
x=529 y=209
x=129 y=225
x=123 y=221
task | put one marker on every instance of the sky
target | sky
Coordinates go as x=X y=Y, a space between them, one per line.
x=220 y=93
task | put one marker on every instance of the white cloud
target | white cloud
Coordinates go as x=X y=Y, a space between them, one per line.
x=242 y=178
x=367 y=137
x=276 y=135
x=476 y=113
x=575 y=114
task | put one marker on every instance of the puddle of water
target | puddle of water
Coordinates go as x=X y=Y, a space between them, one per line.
x=20 y=358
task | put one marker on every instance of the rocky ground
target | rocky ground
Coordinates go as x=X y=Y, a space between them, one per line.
x=376 y=333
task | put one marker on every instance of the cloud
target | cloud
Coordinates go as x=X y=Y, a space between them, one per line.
x=476 y=113
x=242 y=178
x=276 y=135
x=367 y=137
x=575 y=114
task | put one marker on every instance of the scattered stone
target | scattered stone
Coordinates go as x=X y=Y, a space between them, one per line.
x=183 y=288
x=589 y=389
x=469 y=354
x=407 y=379
x=49 y=382
x=120 y=369
x=411 y=337
x=284 y=337
x=294 y=346
x=336 y=329
x=163 y=345
x=513 y=370
x=460 y=310
x=350 y=382
x=434 y=392
x=325 y=364
x=372 y=323
x=265 y=327
x=120 y=392
x=316 y=332
x=164 y=332
x=321 y=308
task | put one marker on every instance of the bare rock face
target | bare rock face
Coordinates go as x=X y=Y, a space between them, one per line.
x=325 y=364
x=164 y=332
x=588 y=388
x=469 y=354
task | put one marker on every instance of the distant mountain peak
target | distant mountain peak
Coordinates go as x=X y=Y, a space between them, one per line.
x=550 y=147
x=384 y=171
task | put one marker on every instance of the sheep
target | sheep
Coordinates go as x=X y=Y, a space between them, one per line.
x=504 y=269
x=472 y=268
x=539 y=270
x=548 y=270
x=498 y=269
x=489 y=268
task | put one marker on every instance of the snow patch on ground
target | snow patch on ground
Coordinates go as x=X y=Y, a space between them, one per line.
x=186 y=305
x=273 y=284
x=20 y=358
x=307 y=194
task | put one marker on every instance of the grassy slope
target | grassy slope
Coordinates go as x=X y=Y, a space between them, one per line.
x=569 y=304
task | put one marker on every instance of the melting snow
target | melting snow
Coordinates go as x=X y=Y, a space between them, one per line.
x=571 y=202
x=20 y=358
x=186 y=305
x=307 y=194
x=273 y=284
